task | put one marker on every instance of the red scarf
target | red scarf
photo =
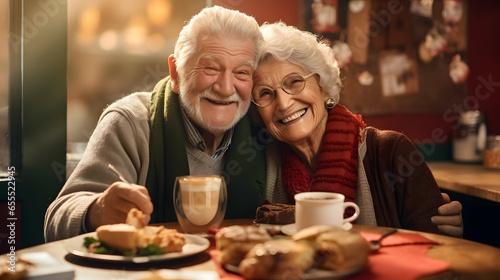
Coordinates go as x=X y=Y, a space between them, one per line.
x=337 y=163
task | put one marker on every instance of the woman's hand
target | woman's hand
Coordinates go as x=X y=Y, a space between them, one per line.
x=449 y=221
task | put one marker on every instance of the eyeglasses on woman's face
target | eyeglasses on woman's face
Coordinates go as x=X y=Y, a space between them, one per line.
x=292 y=84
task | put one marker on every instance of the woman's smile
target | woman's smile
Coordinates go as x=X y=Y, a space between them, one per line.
x=294 y=116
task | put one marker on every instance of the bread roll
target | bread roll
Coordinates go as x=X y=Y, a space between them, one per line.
x=20 y=272
x=234 y=242
x=121 y=237
x=169 y=240
x=277 y=259
x=129 y=239
x=342 y=251
x=136 y=218
x=336 y=249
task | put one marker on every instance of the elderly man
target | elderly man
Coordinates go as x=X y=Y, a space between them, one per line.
x=193 y=122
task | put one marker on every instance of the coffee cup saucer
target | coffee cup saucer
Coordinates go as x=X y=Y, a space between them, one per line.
x=290 y=229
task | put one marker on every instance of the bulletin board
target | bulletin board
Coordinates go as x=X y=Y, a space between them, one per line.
x=392 y=70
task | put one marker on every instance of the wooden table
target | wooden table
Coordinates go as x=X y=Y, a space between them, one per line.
x=470 y=179
x=468 y=260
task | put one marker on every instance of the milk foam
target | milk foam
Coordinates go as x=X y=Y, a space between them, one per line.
x=200 y=200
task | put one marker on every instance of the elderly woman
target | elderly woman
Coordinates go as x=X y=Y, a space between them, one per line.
x=322 y=146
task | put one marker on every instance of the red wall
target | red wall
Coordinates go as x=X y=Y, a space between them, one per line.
x=288 y=11
x=484 y=57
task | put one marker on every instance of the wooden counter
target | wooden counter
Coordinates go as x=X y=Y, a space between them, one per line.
x=470 y=179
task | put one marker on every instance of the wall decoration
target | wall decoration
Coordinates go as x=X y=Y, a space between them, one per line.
x=452 y=11
x=398 y=74
x=459 y=70
x=356 y=6
x=325 y=16
x=422 y=8
x=405 y=57
x=433 y=45
x=342 y=52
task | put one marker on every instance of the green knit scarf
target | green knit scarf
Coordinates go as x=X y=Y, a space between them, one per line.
x=244 y=162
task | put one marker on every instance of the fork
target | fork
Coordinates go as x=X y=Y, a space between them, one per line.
x=120 y=176
x=375 y=244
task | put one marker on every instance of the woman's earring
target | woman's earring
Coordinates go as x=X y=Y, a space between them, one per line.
x=330 y=103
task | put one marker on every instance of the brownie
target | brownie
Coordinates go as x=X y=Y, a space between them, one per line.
x=275 y=213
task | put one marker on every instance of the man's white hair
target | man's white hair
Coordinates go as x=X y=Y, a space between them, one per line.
x=216 y=22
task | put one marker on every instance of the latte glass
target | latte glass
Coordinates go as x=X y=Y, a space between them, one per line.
x=200 y=202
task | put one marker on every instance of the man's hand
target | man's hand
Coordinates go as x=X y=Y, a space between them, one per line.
x=115 y=202
x=449 y=220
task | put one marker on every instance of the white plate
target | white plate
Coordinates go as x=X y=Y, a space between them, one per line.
x=313 y=274
x=194 y=245
x=269 y=226
x=176 y=274
x=291 y=229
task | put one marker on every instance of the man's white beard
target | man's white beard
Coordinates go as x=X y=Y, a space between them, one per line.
x=193 y=109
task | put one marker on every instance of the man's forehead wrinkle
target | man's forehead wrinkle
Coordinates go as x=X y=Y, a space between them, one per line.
x=208 y=56
x=215 y=57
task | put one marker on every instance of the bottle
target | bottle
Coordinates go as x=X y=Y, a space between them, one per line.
x=469 y=139
x=492 y=153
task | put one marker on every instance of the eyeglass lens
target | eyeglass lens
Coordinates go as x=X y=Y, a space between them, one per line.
x=292 y=84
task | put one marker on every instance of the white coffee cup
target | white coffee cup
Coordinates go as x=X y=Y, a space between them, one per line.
x=322 y=208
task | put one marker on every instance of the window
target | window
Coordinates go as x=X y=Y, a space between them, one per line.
x=4 y=88
x=114 y=50
x=36 y=39
x=59 y=68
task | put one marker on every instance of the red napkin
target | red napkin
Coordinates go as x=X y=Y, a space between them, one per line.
x=224 y=275
x=402 y=256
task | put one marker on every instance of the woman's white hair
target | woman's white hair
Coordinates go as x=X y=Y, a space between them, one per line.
x=288 y=43
x=216 y=22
